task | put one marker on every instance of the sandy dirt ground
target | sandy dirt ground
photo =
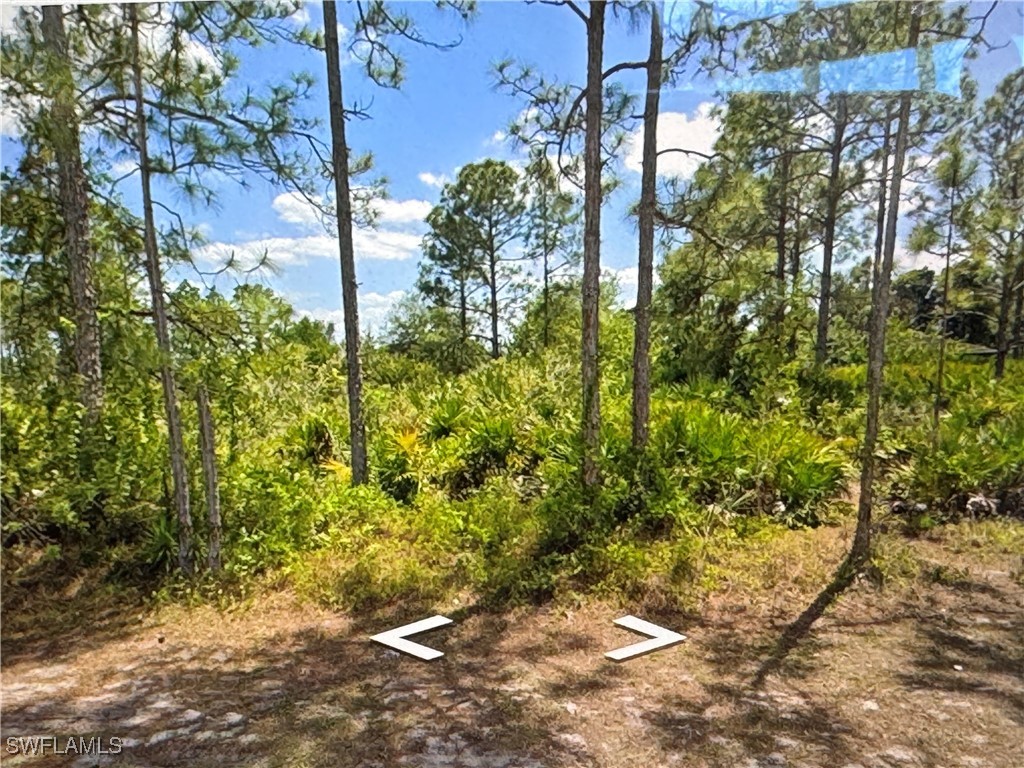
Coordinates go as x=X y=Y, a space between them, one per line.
x=926 y=674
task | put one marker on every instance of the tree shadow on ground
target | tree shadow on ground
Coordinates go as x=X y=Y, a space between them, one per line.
x=801 y=626
x=731 y=725
x=311 y=699
x=52 y=612
x=955 y=655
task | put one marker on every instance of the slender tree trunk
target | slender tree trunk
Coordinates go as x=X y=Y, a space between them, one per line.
x=74 y=205
x=1018 y=312
x=940 y=372
x=1006 y=292
x=883 y=185
x=794 y=271
x=547 y=271
x=780 y=249
x=1010 y=291
x=645 y=270
x=861 y=548
x=831 y=215
x=1017 y=333
x=591 y=300
x=463 y=310
x=176 y=442
x=547 y=298
x=492 y=271
x=346 y=250
x=207 y=447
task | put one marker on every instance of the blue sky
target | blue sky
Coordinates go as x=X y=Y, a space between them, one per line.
x=448 y=113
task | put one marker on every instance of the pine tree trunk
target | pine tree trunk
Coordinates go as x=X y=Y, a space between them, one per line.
x=794 y=272
x=545 y=247
x=645 y=270
x=780 y=250
x=1003 y=321
x=883 y=185
x=492 y=271
x=831 y=214
x=940 y=372
x=207 y=445
x=1017 y=333
x=591 y=299
x=861 y=549
x=74 y=205
x=346 y=250
x=546 y=299
x=176 y=442
x=463 y=310
x=1018 y=312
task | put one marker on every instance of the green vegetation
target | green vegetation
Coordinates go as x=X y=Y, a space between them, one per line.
x=474 y=483
x=488 y=474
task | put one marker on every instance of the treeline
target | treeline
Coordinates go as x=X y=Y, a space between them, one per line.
x=130 y=406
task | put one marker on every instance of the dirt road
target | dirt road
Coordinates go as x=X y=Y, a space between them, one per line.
x=926 y=675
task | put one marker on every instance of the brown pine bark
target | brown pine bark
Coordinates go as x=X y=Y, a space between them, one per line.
x=861 y=548
x=74 y=205
x=176 y=442
x=831 y=215
x=794 y=271
x=941 y=368
x=346 y=249
x=645 y=271
x=591 y=298
x=1018 y=313
x=546 y=254
x=1003 y=334
x=781 y=251
x=207 y=446
x=883 y=186
x=492 y=287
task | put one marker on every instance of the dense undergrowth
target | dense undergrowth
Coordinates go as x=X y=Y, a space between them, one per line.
x=474 y=487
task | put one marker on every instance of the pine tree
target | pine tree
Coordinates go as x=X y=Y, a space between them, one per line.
x=645 y=269
x=481 y=214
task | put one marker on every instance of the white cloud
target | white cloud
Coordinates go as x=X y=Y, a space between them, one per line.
x=370 y=245
x=280 y=251
x=8 y=15
x=384 y=245
x=498 y=137
x=155 y=37
x=627 y=278
x=10 y=121
x=905 y=261
x=402 y=211
x=301 y=17
x=125 y=167
x=527 y=119
x=433 y=180
x=293 y=208
x=676 y=130
x=373 y=311
x=12 y=111
x=374 y=307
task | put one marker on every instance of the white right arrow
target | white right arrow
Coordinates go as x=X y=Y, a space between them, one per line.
x=660 y=638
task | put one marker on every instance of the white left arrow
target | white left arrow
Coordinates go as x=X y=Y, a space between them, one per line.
x=660 y=638
x=395 y=638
